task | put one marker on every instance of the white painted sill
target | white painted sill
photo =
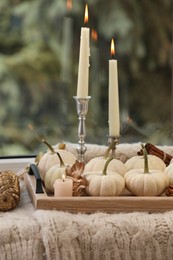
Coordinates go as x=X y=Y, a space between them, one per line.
x=15 y=164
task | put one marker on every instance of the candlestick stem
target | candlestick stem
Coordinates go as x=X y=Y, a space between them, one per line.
x=113 y=141
x=82 y=109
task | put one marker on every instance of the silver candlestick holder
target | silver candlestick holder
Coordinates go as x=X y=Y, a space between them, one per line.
x=82 y=109
x=112 y=142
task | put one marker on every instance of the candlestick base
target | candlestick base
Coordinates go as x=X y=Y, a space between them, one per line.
x=82 y=109
x=113 y=141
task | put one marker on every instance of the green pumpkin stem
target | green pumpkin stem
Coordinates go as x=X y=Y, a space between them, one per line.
x=62 y=164
x=106 y=166
x=146 y=166
x=110 y=147
x=49 y=146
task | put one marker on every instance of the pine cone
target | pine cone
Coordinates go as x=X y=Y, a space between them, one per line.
x=9 y=190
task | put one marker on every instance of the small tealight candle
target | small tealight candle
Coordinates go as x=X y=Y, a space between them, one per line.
x=63 y=187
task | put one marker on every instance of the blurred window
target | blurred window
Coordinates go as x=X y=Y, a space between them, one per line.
x=39 y=53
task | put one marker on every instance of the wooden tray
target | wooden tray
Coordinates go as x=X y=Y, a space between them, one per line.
x=95 y=204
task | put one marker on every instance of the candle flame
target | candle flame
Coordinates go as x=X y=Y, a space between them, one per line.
x=94 y=35
x=86 y=14
x=112 y=48
x=63 y=177
x=69 y=4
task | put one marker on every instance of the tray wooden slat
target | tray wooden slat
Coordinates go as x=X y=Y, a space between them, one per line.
x=94 y=204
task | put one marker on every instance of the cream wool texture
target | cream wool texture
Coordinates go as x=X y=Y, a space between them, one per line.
x=131 y=236
x=26 y=233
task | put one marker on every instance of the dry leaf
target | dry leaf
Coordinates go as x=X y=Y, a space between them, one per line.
x=79 y=183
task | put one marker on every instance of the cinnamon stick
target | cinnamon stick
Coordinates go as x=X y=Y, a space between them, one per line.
x=153 y=150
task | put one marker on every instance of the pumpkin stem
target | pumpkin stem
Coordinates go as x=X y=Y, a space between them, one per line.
x=62 y=164
x=110 y=147
x=61 y=146
x=106 y=166
x=146 y=167
x=48 y=145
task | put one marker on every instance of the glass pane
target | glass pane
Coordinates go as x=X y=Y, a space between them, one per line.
x=39 y=54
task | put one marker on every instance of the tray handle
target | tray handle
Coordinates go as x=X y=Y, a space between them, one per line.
x=34 y=171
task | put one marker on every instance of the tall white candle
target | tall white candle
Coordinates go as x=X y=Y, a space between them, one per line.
x=83 y=70
x=114 y=118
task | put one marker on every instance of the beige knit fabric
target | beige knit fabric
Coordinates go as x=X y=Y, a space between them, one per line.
x=27 y=234
x=123 y=151
x=100 y=236
x=20 y=237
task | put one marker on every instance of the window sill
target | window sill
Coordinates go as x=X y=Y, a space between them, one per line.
x=15 y=164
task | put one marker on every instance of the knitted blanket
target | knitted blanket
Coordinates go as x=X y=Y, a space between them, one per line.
x=26 y=233
x=20 y=233
x=100 y=236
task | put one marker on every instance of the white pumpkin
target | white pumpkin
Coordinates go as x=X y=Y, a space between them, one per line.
x=171 y=161
x=137 y=162
x=55 y=172
x=140 y=183
x=145 y=182
x=97 y=164
x=51 y=158
x=104 y=183
x=169 y=172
